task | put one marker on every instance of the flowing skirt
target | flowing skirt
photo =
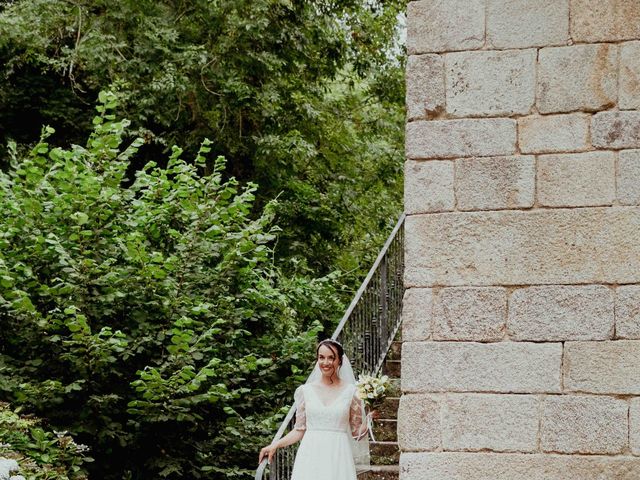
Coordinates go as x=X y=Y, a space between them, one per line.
x=324 y=455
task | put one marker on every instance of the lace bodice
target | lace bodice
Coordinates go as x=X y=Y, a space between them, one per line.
x=322 y=408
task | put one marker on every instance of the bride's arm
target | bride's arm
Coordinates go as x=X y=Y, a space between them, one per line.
x=300 y=427
x=290 y=438
x=294 y=435
x=358 y=418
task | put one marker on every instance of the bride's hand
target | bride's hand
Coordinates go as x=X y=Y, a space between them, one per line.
x=269 y=450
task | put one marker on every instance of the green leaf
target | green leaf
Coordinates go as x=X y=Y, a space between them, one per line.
x=81 y=218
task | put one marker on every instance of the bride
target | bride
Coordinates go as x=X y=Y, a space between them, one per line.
x=330 y=421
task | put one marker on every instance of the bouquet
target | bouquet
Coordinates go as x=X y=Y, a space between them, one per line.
x=372 y=390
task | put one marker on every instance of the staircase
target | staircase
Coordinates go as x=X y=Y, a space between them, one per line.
x=385 y=453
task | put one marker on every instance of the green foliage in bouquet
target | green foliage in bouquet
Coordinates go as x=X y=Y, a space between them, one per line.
x=41 y=453
x=142 y=311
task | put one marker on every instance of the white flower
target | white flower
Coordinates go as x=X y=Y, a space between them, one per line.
x=372 y=388
x=81 y=448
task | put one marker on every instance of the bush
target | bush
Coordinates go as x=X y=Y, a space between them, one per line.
x=40 y=453
x=146 y=315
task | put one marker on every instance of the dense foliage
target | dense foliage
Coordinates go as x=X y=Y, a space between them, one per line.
x=305 y=98
x=41 y=453
x=149 y=320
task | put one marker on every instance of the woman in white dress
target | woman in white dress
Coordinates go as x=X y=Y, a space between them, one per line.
x=330 y=421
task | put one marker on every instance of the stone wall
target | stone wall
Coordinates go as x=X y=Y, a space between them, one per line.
x=521 y=330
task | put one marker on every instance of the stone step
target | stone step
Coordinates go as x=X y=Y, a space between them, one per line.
x=389 y=408
x=391 y=368
x=384 y=453
x=385 y=429
x=381 y=472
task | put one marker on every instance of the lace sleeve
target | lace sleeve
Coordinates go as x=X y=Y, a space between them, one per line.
x=301 y=416
x=357 y=417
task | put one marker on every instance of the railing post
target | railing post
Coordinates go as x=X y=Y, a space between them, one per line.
x=384 y=309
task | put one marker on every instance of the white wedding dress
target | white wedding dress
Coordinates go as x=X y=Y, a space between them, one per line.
x=332 y=418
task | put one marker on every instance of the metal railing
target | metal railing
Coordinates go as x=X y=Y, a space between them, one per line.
x=366 y=332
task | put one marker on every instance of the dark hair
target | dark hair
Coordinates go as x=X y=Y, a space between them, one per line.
x=334 y=346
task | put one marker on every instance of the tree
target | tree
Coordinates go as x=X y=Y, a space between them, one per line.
x=304 y=98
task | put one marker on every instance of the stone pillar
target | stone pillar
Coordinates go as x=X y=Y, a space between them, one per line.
x=521 y=330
